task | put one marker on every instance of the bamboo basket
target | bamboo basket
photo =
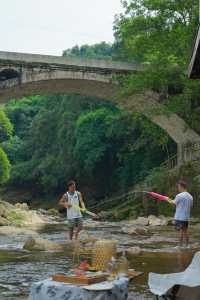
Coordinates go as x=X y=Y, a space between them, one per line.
x=103 y=252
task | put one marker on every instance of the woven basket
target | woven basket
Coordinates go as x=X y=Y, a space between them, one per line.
x=103 y=251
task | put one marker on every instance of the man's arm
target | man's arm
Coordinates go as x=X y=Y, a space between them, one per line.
x=81 y=201
x=175 y=201
x=64 y=202
x=171 y=201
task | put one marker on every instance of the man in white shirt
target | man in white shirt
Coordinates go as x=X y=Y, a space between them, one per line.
x=183 y=203
x=72 y=200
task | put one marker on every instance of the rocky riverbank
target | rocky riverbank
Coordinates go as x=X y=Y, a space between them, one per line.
x=15 y=219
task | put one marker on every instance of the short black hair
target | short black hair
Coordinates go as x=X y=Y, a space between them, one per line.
x=183 y=184
x=70 y=183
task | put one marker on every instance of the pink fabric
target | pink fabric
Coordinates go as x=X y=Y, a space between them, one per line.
x=158 y=196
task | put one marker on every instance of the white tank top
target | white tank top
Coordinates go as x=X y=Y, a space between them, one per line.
x=73 y=199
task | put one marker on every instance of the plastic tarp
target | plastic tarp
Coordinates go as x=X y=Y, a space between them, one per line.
x=52 y=290
x=161 y=284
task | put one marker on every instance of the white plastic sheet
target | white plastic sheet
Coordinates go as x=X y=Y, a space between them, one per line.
x=161 y=284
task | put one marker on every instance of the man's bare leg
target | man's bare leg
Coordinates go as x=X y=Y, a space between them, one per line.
x=186 y=236
x=181 y=238
x=71 y=233
x=78 y=230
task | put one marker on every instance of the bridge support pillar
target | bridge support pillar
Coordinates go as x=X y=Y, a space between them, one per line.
x=180 y=154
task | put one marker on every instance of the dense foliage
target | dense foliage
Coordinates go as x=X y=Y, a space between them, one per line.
x=160 y=34
x=6 y=130
x=62 y=137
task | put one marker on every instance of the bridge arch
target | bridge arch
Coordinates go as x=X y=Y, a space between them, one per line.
x=43 y=75
x=8 y=73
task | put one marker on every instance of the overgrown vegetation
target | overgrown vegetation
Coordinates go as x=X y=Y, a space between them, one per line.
x=160 y=34
x=57 y=138
x=6 y=130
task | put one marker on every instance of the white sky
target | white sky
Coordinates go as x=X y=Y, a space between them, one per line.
x=50 y=26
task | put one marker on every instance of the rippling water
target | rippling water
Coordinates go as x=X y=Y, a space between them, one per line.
x=19 y=268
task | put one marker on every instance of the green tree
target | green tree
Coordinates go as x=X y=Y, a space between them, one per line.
x=97 y=51
x=4 y=167
x=6 y=130
x=160 y=35
x=64 y=137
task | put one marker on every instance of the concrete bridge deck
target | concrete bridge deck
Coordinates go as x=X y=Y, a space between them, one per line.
x=56 y=62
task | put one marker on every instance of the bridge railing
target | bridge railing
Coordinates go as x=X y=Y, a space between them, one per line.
x=189 y=152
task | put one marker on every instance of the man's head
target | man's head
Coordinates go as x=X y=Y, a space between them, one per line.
x=71 y=186
x=182 y=186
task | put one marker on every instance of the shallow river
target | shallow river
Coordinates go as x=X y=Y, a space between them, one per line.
x=19 y=268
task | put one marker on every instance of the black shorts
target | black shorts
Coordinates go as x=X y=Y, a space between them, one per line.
x=181 y=224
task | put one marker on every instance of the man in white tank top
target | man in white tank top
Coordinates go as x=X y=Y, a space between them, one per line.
x=72 y=200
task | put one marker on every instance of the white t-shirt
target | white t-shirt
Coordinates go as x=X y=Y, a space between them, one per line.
x=184 y=202
x=73 y=199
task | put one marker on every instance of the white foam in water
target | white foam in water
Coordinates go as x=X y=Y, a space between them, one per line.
x=7 y=286
x=18 y=246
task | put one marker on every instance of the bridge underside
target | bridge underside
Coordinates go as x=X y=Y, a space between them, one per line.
x=104 y=88
x=100 y=90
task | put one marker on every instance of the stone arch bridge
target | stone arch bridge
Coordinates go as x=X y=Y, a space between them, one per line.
x=30 y=74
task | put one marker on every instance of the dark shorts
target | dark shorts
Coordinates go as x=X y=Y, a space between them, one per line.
x=75 y=223
x=181 y=224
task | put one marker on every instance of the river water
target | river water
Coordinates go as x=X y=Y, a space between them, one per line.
x=19 y=268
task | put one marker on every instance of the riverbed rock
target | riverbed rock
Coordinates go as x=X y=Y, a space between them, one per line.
x=13 y=230
x=53 y=212
x=22 y=217
x=133 y=251
x=18 y=214
x=4 y=221
x=5 y=208
x=22 y=206
x=38 y=244
x=134 y=230
x=42 y=245
x=142 y=221
x=157 y=221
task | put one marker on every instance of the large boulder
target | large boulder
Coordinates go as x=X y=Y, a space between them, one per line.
x=132 y=230
x=132 y=251
x=140 y=221
x=38 y=244
x=22 y=206
x=23 y=217
x=5 y=208
x=42 y=245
